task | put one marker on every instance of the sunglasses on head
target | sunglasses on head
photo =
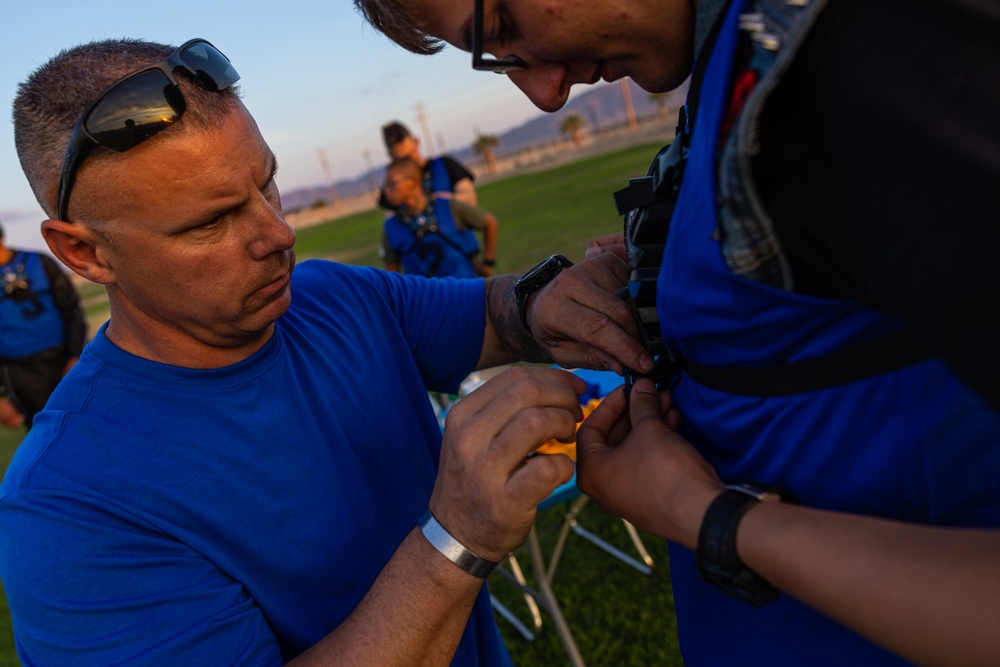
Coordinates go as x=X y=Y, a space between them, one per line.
x=139 y=105
x=487 y=63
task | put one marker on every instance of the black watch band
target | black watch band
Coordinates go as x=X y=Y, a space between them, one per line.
x=535 y=279
x=489 y=262
x=718 y=562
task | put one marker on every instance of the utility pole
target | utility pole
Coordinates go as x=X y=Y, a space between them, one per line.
x=592 y=114
x=629 y=109
x=371 y=171
x=329 y=178
x=426 y=131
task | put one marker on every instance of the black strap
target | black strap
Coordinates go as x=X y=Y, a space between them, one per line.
x=701 y=62
x=857 y=362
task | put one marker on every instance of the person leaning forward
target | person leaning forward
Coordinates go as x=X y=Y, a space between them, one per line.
x=233 y=476
x=442 y=176
x=824 y=286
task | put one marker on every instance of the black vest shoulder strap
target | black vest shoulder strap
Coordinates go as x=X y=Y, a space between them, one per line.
x=857 y=362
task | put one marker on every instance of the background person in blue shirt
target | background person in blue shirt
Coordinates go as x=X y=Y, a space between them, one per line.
x=433 y=236
x=42 y=332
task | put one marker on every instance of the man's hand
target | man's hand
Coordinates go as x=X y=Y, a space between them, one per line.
x=487 y=490
x=631 y=460
x=613 y=243
x=580 y=320
x=10 y=416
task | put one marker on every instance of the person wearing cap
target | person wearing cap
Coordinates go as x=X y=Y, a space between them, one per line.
x=813 y=264
x=42 y=332
x=230 y=475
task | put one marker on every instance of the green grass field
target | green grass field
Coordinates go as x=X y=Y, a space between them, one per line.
x=9 y=441
x=619 y=617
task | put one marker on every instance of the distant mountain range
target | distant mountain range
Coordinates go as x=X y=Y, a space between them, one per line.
x=603 y=106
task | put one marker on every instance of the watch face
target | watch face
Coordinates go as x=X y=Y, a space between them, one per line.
x=535 y=279
x=541 y=274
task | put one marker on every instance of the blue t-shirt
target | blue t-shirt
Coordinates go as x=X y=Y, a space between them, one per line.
x=165 y=515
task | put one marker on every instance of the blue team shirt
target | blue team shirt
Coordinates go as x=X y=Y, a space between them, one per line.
x=164 y=515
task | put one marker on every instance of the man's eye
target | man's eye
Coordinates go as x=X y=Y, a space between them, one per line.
x=207 y=226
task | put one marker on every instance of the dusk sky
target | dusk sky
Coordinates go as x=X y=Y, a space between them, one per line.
x=314 y=76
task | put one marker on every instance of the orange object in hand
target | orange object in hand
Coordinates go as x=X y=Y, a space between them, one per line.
x=568 y=448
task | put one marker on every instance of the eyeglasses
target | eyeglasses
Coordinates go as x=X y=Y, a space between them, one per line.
x=489 y=64
x=137 y=106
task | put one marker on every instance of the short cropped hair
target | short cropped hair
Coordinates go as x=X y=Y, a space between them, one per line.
x=395 y=19
x=407 y=167
x=394 y=132
x=51 y=99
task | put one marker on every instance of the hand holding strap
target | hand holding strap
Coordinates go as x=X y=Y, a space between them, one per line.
x=452 y=549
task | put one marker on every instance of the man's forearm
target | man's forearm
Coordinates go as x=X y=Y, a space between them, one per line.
x=490 y=238
x=930 y=594
x=506 y=338
x=414 y=614
x=465 y=191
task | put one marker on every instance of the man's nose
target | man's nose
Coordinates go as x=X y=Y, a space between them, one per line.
x=544 y=84
x=274 y=234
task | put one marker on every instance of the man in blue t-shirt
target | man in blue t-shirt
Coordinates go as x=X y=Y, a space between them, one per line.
x=244 y=467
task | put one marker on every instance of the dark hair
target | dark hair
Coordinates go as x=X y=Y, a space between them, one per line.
x=51 y=99
x=393 y=133
x=406 y=166
x=396 y=20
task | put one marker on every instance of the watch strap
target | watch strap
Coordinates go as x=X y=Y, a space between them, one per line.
x=718 y=562
x=535 y=279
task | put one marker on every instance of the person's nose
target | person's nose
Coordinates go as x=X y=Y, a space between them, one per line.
x=544 y=84
x=273 y=233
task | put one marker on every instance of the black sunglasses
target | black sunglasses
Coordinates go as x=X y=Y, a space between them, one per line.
x=139 y=105
x=496 y=65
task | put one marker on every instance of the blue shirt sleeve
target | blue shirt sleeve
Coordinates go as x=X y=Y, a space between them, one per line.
x=97 y=604
x=442 y=319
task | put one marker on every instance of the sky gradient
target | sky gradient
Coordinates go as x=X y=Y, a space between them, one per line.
x=314 y=76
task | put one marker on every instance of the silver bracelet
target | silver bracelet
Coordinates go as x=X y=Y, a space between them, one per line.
x=452 y=549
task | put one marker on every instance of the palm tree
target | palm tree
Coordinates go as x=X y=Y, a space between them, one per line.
x=483 y=146
x=572 y=125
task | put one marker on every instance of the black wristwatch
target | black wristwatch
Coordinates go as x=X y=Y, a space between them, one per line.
x=718 y=562
x=535 y=279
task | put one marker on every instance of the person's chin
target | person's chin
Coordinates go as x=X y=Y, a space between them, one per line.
x=274 y=307
x=659 y=84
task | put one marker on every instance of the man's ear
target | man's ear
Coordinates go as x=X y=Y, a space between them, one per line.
x=78 y=248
